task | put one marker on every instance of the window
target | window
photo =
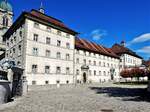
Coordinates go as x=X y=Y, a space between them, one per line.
x=99 y=72
x=19 y=47
x=77 y=71
x=34 y=68
x=48 y=53
x=67 y=45
x=48 y=40
x=67 y=70
x=58 y=55
x=67 y=57
x=89 y=54
x=36 y=25
x=99 y=63
x=84 y=53
x=108 y=73
x=14 y=50
x=58 y=70
x=19 y=63
x=11 y=41
x=89 y=62
x=58 y=43
x=10 y=52
x=35 y=51
x=57 y=81
x=33 y=82
x=15 y=38
x=77 y=60
x=90 y=72
x=7 y=44
x=20 y=33
x=94 y=63
x=111 y=65
x=94 y=72
x=107 y=64
x=67 y=82
x=49 y=29
x=84 y=61
x=67 y=35
x=104 y=64
x=104 y=73
x=47 y=69
x=46 y=82
x=59 y=32
x=94 y=54
x=5 y=21
x=35 y=37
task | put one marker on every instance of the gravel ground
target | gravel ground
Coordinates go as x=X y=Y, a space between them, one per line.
x=82 y=98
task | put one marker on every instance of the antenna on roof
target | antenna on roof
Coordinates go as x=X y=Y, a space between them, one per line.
x=41 y=9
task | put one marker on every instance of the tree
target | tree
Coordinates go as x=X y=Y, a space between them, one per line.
x=125 y=73
x=134 y=72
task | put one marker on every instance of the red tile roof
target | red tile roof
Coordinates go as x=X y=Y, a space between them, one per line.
x=147 y=63
x=41 y=18
x=48 y=19
x=119 y=49
x=92 y=47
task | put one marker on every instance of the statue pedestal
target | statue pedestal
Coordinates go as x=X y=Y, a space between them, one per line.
x=5 y=91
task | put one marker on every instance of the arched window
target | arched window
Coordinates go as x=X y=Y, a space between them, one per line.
x=5 y=21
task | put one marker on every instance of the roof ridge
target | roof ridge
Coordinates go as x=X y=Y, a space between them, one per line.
x=47 y=15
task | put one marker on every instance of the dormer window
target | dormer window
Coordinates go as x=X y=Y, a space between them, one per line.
x=67 y=35
x=49 y=29
x=59 y=32
x=36 y=25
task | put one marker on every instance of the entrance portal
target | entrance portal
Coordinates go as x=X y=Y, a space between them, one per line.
x=84 y=77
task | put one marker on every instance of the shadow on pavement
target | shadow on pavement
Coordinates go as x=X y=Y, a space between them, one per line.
x=126 y=94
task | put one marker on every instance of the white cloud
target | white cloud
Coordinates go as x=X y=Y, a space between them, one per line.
x=145 y=50
x=98 y=34
x=142 y=38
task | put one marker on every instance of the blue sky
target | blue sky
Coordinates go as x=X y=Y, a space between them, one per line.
x=102 y=21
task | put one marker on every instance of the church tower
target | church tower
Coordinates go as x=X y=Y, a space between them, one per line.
x=6 y=20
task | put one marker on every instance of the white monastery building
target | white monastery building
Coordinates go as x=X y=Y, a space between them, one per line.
x=128 y=58
x=51 y=53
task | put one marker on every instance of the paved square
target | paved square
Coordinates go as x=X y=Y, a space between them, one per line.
x=82 y=98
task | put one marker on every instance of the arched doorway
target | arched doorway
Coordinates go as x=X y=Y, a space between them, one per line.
x=84 y=77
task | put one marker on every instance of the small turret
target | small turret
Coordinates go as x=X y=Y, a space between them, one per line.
x=122 y=43
x=41 y=9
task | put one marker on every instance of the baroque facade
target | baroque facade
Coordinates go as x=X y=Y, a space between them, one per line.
x=6 y=20
x=51 y=53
